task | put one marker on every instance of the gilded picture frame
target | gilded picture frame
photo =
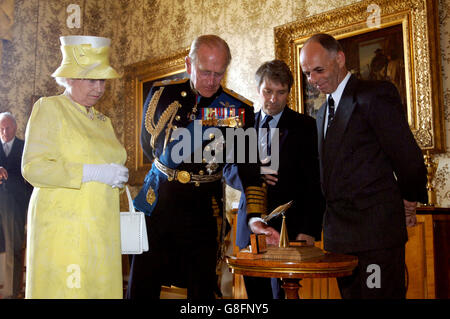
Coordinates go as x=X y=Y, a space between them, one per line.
x=139 y=78
x=372 y=23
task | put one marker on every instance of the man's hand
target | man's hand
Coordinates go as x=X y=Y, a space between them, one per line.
x=410 y=213
x=270 y=179
x=3 y=174
x=309 y=239
x=272 y=236
x=268 y=175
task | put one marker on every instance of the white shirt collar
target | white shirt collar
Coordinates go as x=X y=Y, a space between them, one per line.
x=274 y=121
x=337 y=94
x=339 y=90
x=10 y=143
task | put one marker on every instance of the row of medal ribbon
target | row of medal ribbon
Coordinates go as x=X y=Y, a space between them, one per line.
x=223 y=116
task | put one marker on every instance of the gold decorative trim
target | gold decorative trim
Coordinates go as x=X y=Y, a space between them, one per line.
x=292 y=271
x=256 y=198
x=151 y=196
x=170 y=82
x=135 y=77
x=420 y=28
x=166 y=118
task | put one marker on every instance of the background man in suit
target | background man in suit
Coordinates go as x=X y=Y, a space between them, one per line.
x=297 y=177
x=372 y=171
x=14 y=196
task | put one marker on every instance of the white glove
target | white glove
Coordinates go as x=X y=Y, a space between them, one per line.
x=112 y=174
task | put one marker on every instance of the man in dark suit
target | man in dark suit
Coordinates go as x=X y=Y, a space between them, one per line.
x=296 y=177
x=372 y=171
x=14 y=196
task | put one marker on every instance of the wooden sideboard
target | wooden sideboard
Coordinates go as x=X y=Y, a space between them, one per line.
x=428 y=255
x=427 y=262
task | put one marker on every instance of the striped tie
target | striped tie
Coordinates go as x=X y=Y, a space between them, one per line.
x=266 y=140
x=330 y=110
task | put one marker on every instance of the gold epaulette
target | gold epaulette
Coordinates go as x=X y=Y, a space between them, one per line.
x=256 y=197
x=237 y=96
x=169 y=82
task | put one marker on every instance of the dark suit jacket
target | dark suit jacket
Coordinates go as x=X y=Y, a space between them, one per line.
x=15 y=185
x=298 y=180
x=368 y=142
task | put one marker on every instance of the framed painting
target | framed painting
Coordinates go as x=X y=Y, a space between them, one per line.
x=397 y=41
x=139 y=79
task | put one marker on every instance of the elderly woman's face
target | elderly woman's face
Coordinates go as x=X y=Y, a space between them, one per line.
x=86 y=92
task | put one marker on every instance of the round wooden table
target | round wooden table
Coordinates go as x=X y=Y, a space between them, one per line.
x=291 y=272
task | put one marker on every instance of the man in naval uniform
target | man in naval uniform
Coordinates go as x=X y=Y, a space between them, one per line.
x=184 y=184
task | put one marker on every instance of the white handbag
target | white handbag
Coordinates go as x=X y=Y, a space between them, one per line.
x=133 y=231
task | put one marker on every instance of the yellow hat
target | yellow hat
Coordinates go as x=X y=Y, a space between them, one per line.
x=85 y=57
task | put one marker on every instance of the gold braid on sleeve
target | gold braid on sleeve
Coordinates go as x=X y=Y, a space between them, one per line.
x=256 y=197
x=167 y=116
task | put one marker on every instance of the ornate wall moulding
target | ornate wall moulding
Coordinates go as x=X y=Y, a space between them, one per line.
x=403 y=31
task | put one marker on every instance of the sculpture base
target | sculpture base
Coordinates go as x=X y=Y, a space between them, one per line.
x=299 y=253
x=294 y=253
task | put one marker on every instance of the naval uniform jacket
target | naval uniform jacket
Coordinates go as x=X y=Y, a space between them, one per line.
x=173 y=102
x=298 y=180
x=370 y=162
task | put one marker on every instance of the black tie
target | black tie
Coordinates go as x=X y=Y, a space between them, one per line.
x=330 y=110
x=267 y=137
x=266 y=121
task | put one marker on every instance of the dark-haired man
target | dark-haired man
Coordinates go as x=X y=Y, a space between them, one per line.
x=296 y=177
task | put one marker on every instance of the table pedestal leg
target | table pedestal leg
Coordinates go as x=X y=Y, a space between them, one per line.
x=291 y=287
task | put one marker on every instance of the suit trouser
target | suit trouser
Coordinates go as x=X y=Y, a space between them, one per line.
x=13 y=223
x=380 y=274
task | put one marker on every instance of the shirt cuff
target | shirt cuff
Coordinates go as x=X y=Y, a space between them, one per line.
x=255 y=219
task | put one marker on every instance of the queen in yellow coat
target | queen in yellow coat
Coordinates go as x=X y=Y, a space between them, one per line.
x=75 y=163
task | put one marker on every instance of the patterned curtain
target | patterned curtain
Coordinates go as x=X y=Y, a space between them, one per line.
x=6 y=22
